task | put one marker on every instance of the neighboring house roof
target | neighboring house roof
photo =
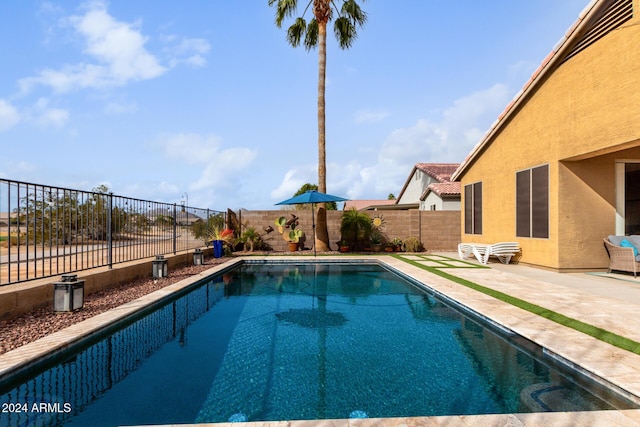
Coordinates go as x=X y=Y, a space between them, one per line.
x=441 y=172
x=363 y=204
x=442 y=190
x=595 y=21
x=393 y=207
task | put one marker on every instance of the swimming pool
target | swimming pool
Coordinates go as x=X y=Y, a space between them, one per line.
x=274 y=341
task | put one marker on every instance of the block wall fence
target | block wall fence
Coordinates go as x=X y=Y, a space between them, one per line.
x=437 y=230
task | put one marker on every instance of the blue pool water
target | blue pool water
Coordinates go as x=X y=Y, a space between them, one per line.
x=281 y=342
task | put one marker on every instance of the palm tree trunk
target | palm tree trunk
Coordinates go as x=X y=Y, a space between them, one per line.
x=322 y=233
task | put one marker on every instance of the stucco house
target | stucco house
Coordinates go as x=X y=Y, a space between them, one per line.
x=560 y=168
x=429 y=187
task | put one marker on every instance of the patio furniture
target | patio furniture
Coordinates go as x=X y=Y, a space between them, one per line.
x=465 y=250
x=504 y=251
x=622 y=256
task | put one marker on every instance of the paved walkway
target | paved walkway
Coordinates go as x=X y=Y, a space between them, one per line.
x=613 y=285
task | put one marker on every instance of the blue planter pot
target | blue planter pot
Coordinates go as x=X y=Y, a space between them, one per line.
x=217 y=249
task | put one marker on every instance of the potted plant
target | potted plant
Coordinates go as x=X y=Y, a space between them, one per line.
x=376 y=241
x=355 y=227
x=250 y=237
x=343 y=246
x=396 y=243
x=293 y=235
x=218 y=236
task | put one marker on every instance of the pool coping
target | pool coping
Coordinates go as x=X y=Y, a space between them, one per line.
x=616 y=366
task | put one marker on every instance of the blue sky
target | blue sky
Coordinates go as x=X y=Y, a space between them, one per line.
x=156 y=99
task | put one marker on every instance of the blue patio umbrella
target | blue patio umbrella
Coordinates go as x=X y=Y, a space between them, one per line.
x=313 y=197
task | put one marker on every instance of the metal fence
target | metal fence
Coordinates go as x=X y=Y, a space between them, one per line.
x=47 y=231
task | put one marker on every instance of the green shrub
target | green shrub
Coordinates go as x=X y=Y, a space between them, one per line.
x=412 y=244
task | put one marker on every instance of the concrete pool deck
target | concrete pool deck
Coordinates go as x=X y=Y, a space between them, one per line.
x=612 y=304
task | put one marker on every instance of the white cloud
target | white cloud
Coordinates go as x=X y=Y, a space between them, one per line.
x=370 y=116
x=55 y=117
x=45 y=116
x=116 y=48
x=221 y=165
x=191 y=147
x=117 y=44
x=448 y=139
x=294 y=179
x=9 y=116
x=186 y=50
x=120 y=108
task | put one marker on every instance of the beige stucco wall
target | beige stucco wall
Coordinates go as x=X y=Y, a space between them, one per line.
x=416 y=185
x=588 y=191
x=581 y=119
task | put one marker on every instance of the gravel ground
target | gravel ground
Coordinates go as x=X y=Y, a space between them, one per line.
x=29 y=327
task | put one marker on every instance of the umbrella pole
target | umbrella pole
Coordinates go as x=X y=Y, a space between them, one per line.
x=313 y=225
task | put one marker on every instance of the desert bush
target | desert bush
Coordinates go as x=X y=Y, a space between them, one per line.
x=412 y=244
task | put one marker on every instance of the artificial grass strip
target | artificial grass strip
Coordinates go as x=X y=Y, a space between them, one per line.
x=593 y=331
x=444 y=260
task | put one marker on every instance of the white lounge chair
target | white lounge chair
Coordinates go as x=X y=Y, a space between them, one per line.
x=504 y=251
x=465 y=250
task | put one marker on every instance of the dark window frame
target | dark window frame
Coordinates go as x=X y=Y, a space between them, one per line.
x=532 y=202
x=473 y=208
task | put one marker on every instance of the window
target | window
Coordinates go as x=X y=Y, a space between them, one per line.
x=532 y=202
x=473 y=208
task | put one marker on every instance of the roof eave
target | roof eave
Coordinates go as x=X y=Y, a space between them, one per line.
x=406 y=183
x=546 y=67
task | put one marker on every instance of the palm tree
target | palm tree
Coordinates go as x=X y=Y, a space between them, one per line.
x=345 y=25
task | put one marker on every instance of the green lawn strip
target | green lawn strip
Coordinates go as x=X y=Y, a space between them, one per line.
x=599 y=333
x=444 y=259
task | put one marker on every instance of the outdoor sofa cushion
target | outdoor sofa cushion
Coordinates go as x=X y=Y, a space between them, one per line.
x=633 y=239
x=616 y=240
x=621 y=258
x=627 y=244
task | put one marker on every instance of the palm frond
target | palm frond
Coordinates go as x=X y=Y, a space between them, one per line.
x=351 y=9
x=311 y=39
x=345 y=32
x=295 y=32
x=284 y=9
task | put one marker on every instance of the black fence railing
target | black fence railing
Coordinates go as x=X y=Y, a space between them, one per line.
x=47 y=231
